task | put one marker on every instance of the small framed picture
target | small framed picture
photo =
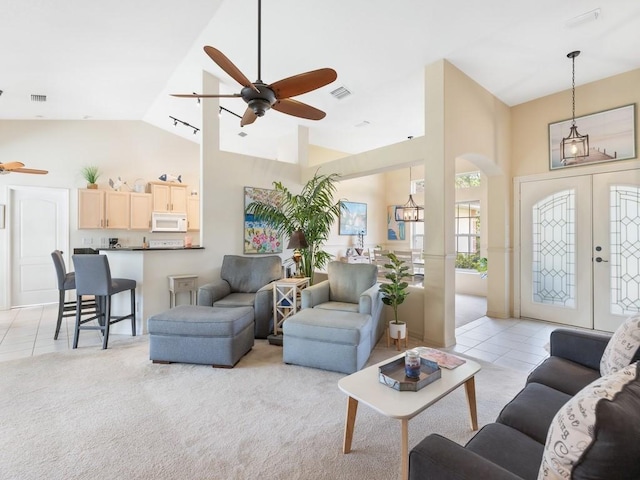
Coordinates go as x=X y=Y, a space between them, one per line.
x=353 y=218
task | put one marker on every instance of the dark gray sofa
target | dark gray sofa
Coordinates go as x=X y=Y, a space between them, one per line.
x=512 y=447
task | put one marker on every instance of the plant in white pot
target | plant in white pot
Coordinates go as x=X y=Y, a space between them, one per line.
x=395 y=292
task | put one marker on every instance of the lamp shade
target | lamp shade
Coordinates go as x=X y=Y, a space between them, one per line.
x=297 y=240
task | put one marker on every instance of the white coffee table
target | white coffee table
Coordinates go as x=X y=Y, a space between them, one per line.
x=363 y=386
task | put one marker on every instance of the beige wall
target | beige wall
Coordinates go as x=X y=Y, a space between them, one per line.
x=531 y=120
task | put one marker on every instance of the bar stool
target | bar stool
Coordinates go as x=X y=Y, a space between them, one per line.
x=67 y=281
x=93 y=277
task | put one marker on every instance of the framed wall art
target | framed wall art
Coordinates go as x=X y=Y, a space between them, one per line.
x=612 y=137
x=395 y=228
x=259 y=237
x=353 y=218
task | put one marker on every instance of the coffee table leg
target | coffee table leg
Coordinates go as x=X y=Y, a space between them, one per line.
x=470 y=390
x=404 y=468
x=352 y=409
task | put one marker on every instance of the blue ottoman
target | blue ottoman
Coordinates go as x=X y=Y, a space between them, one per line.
x=198 y=334
x=327 y=339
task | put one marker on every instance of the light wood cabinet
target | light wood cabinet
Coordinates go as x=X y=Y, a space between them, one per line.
x=90 y=208
x=116 y=208
x=141 y=206
x=193 y=213
x=169 y=197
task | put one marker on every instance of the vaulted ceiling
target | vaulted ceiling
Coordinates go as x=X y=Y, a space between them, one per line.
x=120 y=59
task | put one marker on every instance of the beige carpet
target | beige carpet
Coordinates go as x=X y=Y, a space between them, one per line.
x=93 y=414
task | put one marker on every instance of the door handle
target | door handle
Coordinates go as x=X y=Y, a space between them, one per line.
x=599 y=259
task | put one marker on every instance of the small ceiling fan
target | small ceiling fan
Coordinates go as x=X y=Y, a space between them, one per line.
x=18 y=168
x=261 y=96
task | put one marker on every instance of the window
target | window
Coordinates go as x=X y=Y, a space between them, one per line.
x=468 y=180
x=467 y=235
x=416 y=229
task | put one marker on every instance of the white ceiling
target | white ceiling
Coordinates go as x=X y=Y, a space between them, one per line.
x=120 y=59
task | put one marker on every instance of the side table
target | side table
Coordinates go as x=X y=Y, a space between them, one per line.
x=182 y=283
x=286 y=300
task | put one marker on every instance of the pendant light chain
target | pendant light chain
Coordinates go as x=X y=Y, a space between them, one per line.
x=573 y=91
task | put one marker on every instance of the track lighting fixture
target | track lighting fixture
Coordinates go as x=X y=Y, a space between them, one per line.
x=221 y=108
x=176 y=121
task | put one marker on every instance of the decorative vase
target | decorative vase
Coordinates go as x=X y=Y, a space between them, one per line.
x=92 y=186
x=398 y=330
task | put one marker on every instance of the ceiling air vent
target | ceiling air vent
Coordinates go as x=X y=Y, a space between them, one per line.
x=242 y=134
x=341 y=92
x=38 y=98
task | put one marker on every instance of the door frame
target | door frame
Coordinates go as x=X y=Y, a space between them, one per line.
x=7 y=249
x=563 y=173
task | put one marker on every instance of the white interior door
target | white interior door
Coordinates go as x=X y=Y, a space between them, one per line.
x=580 y=249
x=616 y=244
x=555 y=226
x=39 y=223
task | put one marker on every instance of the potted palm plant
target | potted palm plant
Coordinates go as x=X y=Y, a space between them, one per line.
x=91 y=174
x=313 y=212
x=394 y=293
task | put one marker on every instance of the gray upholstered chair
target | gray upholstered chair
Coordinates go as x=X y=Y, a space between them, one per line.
x=245 y=282
x=93 y=277
x=349 y=287
x=67 y=282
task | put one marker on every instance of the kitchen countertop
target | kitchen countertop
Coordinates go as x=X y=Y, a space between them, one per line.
x=140 y=249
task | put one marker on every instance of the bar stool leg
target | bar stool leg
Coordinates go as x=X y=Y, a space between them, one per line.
x=133 y=313
x=76 y=330
x=60 y=312
x=107 y=321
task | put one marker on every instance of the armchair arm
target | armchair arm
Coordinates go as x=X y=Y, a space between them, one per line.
x=585 y=348
x=212 y=292
x=370 y=300
x=263 y=311
x=440 y=458
x=315 y=294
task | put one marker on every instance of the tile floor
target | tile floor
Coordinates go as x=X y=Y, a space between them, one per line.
x=511 y=343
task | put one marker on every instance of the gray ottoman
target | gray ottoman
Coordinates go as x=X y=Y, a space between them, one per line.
x=197 y=334
x=327 y=339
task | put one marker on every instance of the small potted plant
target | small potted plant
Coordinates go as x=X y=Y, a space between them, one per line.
x=394 y=293
x=91 y=174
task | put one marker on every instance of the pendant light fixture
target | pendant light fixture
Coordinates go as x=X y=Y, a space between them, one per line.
x=574 y=146
x=410 y=211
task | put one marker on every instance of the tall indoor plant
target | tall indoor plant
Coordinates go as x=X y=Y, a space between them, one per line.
x=395 y=291
x=313 y=211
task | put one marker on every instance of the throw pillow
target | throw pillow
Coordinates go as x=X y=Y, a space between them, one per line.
x=594 y=435
x=622 y=346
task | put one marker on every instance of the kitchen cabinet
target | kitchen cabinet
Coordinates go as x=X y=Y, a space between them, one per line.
x=168 y=197
x=141 y=206
x=116 y=210
x=90 y=208
x=193 y=213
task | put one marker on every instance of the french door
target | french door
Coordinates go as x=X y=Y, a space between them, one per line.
x=580 y=249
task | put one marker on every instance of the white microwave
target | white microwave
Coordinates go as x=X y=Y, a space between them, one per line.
x=168 y=222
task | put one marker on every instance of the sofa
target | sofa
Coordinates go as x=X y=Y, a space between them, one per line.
x=245 y=282
x=559 y=425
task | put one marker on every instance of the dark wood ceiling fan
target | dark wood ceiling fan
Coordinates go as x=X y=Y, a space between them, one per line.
x=18 y=167
x=261 y=96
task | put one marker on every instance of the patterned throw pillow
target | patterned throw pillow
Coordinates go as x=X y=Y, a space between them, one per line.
x=575 y=431
x=622 y=346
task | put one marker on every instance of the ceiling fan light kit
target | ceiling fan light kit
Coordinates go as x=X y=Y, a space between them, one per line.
x=18 y=167
x=260 y=96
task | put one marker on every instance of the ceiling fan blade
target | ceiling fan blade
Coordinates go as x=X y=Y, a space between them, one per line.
x=298 y=109
x=30 y=170
x=303 y=83
x=204 y=95
x=227 y=65
x=248 y=118
x=11 y=165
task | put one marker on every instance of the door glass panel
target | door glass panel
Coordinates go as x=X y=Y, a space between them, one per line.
x=625 y=250
x=553 y=262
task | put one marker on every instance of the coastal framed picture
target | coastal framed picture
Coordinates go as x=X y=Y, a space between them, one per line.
x=353 y=218
x=612 y=137
x=259 y=237
x=395 y=228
